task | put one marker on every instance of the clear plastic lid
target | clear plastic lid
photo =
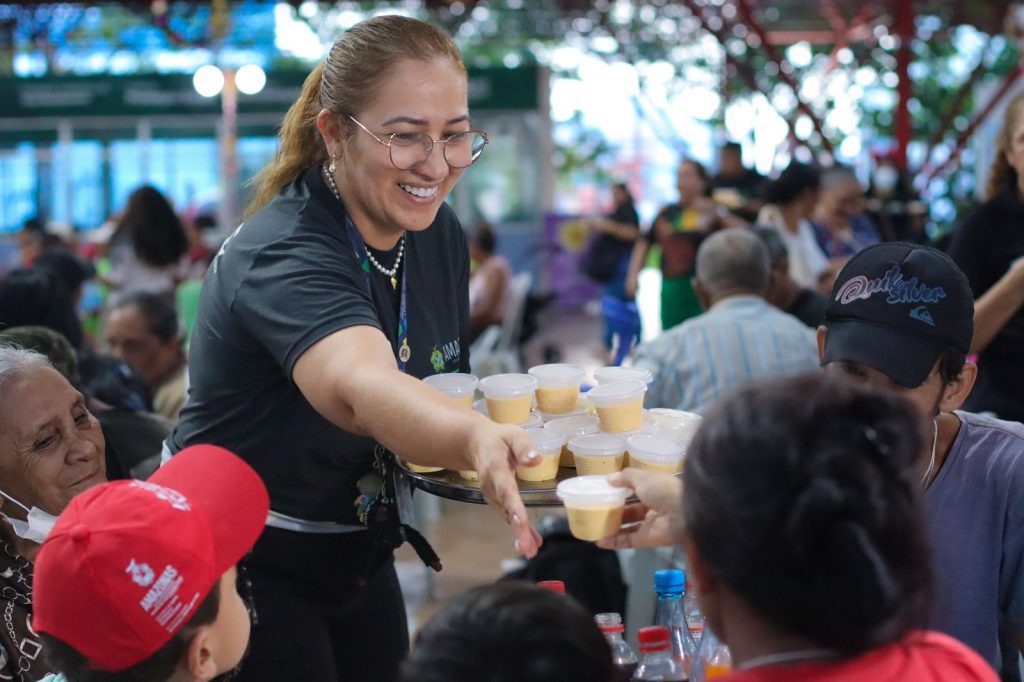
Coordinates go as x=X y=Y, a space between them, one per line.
x=558 y=375
x=665 y=416
x=545 y=440
x=607 y=375
x=500 y=386
x=534 y=421
x=616 y=393
x=598 y=445
x=454 y=384
x=574 y=426
x=591 y=491
x=655 y=449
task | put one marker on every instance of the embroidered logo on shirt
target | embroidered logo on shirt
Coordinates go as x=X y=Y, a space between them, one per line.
x=437 y=360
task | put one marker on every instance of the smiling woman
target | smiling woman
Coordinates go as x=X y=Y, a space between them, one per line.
x=51 y=449
x=317 y=319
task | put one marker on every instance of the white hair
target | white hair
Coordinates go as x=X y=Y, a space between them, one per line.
x=733 y=259
x=16 y=362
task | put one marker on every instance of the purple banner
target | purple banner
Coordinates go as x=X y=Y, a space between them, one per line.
x=566 y=237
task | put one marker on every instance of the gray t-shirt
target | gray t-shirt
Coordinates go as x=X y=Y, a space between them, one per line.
x=975 y=513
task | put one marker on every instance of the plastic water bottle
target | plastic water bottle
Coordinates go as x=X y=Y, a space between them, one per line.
x=657 y=662
x=668 y=611
x=713 y=660
x=694 y=618
x=623 y=657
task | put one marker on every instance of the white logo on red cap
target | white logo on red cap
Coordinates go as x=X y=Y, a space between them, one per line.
x=142 y=574
x=172 y=497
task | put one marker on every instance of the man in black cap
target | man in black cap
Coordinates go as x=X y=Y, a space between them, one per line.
x=901 y=316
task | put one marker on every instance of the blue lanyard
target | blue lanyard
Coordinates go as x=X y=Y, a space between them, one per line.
x=359 y=247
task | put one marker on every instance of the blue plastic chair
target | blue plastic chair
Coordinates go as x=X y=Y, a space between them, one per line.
x=623 y=320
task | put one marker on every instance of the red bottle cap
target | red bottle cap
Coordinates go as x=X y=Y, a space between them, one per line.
x=553 y=585
x=653 y=638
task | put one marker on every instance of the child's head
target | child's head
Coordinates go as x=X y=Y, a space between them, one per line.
x=137 y=579
x=507 y=632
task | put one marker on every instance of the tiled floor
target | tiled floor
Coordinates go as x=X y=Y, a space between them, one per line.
x=472 y=540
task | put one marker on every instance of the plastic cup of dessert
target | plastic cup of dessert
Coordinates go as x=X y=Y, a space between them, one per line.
x=548 y=444
x=509 y=397
x=593 y=506
x=619 y=405
x=581 y=409
x=599 y=454
x=676 y=425
x=419 y=469
x=608 y=375
x=655 y=454
x=570 y=427
x=558 y=387
x=533 y=420
x=457 y=386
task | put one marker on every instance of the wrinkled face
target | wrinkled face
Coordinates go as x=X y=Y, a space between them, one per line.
x=417 y=96
x=51 y=447
x=230 y=631
x=131 y=342
x=689 y=182
x=1015 y=149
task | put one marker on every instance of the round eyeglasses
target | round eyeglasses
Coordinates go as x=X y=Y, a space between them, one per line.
x=409 y=150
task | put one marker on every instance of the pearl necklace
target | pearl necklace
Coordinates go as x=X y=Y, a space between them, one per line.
x=391 y=272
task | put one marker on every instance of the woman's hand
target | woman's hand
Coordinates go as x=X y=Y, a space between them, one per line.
x=496 y=449
x=658 y=516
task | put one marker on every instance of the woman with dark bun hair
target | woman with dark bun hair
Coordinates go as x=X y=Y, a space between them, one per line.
x=789 y=202
x=803 y=533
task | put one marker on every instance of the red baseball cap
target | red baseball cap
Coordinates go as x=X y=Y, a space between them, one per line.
x=128 y=562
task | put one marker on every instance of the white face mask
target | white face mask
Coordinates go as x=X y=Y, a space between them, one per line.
x=36 y=528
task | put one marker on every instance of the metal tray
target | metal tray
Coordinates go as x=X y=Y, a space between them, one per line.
x=451 y=486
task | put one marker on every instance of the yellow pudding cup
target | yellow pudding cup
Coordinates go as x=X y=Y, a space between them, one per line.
x=416 y=468
x=676 y=425
x=509 y=397
x=469 y=475
x=620 y=405
x=580 y=409
x=609 y=375
x=533 y=420
x=558 y=387
x=459 y=387
x=654 y=453
x=598 y=454
x=570 y=427
x=593 y=506
x=547 y=444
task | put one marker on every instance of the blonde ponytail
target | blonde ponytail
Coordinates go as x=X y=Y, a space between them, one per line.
x=300 y=145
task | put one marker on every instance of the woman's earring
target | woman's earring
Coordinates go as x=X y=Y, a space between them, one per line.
x=332 y=167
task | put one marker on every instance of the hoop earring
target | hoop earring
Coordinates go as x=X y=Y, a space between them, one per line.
x=332 y=167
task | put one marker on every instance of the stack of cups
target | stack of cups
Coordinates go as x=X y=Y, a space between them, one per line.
x=558 y=387
x=655 y=454
x=594 y=506
x=599 y=454
x=548 y=444
x=620 y=405
x=570 y=427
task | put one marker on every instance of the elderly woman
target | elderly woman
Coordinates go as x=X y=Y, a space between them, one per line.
x=51 y=449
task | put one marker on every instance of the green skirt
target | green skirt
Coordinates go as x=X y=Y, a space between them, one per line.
x=678 y=301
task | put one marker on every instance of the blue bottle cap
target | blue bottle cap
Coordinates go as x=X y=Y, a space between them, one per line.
x=670 y=580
